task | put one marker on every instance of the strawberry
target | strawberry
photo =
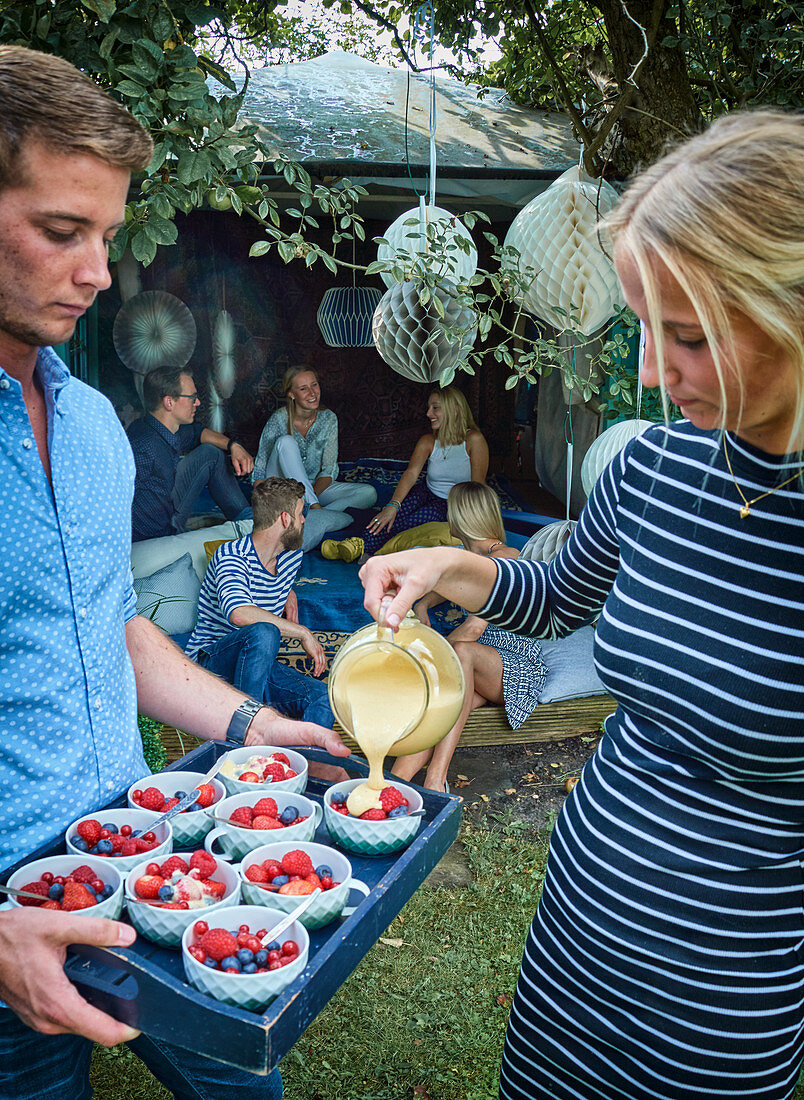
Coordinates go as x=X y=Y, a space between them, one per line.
x=272 y=868
x=280 y=758
x=242 y=816
x=148 y=886
x=206 y=795
x=218 y=944
x=313 y=879
x=40 y=888
x=83 y=874
x=256 y=873
x=374 y=815
x=76 y=896
x=390 y=798
x=297 y=862
x=266 y=807
x=141 y=845
x=175 y=863
x=90 y=831
x=49 y=904
x=300 y=887
x=249 y=777
x=273 y=773
x=215 y=889
x=263 y=822
x=152 y=799
x=204 y=863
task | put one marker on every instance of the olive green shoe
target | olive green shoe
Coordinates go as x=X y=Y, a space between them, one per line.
x=347 y=550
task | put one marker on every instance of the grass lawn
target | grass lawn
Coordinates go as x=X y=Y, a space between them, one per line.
x=423 y=1017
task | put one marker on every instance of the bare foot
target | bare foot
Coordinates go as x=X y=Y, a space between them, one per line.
x=328 y=772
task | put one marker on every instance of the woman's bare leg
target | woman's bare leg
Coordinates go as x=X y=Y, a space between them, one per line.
x=407 y=766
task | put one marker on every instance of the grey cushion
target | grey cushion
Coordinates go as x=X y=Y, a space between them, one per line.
x=571 y=669
x=169 y=597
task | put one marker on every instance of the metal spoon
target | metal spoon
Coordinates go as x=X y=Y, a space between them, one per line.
x=189 y=798
x=278 y=929
x=22 y=893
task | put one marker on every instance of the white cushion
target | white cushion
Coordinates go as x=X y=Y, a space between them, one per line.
x=152 y=554
x=169 y=597
x=571 y=670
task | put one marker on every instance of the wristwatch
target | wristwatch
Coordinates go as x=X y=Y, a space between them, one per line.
x=242 y=719
x=230 y=444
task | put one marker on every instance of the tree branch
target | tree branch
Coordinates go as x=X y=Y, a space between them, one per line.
x=372 y=13
x=584 y=134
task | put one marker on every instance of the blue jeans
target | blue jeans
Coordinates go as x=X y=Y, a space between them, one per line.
x=247 y=659
x=56 y=1067
x=206 y=466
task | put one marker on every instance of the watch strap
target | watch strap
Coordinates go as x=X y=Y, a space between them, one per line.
x=241 y=720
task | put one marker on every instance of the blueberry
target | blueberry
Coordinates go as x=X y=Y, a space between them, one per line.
x=111 y=828
x=56 y=891
x=399 y=811
x=136 y=833
x=245 y=956
x=261 y=957
x=230 y=963
x=338 y=799
x=276 y=945
x=106 y=892
x=195 y=806
x=323 y=871
x=93 y=851
x=250 y=968
x=290 y=813
x=280 y=880
x=79 y=843
x=105 y=847
x=166 y=893
x=210 y=963
x=180 y=794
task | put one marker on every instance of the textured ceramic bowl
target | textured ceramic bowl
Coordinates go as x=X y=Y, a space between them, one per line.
x=106 y=870
x=189 y=827
x=166 y=926
x=138 y=820
x=250 y=991
x=371 y=838
x=328 y=906
x=236 y=842
x=296 y=785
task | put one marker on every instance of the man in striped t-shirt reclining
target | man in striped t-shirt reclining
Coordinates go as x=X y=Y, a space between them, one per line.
x=247 y=605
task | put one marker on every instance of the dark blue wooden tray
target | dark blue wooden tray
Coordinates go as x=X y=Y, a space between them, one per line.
x=144 y=985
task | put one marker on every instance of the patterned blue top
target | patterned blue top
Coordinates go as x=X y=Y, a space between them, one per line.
x=318 y=449
x=157 y=451
x=236 y=577
x=68 y=711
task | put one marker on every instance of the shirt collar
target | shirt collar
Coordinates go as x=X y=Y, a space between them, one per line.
x=172 y=438
x=50 y=370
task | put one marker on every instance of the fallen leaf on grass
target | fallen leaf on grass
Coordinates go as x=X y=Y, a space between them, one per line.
x=501 y=999
x=510 y=790
x=421 y=1092
x=485 y=797
x=417 y=1042
x=391 y=942
x=462 y=781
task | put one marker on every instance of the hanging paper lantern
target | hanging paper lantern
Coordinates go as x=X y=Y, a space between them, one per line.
x=546 y=544
x=575 y=285
x=607 y=445
x=458 y=266
x=154 y=329
x=345 y=314
x=411 y=338
x=223 y=358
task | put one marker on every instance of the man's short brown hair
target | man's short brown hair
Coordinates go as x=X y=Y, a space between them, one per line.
x=162 y=382
x=271 y=497
x=47 y=100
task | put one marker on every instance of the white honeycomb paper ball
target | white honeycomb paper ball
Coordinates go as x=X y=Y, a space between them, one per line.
x=555 y=236
x=410 y=337
x=606 y=446
x=458 y=266
x=545 y=544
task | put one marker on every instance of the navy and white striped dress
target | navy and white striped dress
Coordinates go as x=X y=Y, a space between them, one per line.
x=665 y=959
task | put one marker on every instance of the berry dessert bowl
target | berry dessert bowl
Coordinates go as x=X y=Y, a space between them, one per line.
x=250 y=984
x=253 y=763
x=191 y=825
x=365 y=837
x=197 y=881
x=275 y=813
x=127 y=823
x=80 y=893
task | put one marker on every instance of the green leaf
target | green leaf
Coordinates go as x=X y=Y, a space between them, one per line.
x=129 y=88
x=143 y=248
x=329 y=262
x=260 y=248
x=104 y=9
x=511 y=381
x=193 y=165
x=159 y=230
x=286 y=251
x=439 y=306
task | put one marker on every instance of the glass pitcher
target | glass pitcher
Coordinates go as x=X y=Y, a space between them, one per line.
x=425 y=694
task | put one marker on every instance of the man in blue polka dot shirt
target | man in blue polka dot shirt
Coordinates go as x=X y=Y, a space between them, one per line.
x=76 y=662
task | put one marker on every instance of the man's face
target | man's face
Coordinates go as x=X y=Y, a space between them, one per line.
x=292 y=538
x=55 y=229
x=183 y=406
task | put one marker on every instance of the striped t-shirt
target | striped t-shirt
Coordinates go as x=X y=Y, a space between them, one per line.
x=235 y=577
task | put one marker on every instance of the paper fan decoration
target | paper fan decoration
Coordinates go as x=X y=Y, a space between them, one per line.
x=154 y=329
x=411 y=338
x=217 y=413
x=345 y=316
x=608 y=444
x=575 y=285
x=224 y=364
x=458 y=265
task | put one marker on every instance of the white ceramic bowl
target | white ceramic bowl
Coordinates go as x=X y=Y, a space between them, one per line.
x=236 y=841
x=166 y=926
x=328 y=906
x=371 y=838
x=296 y=785
x=63 y=865
x=250 y=991
x=189 y=827
x=137 y=819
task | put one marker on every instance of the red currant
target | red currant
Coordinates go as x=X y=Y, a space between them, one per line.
x=200 y=928
x=47 y=876
x=149 y=838
x=289 y=948
x=104 y=834
x=153 y=869
x=126 y=830
x=97 y=885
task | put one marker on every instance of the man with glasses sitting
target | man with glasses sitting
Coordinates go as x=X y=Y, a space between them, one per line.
x=176 y=458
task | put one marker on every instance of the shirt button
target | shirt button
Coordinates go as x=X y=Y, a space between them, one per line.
x=4 y=383
x=27 y=444
x=83 y=614
x=98 y=704
x=68 y=529
x=110 y=785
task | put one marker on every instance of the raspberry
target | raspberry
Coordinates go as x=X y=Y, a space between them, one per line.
x=204 y=863
x=273 y=773
x=171 y=802
x=215 y=889
x=249 y=777
x=141 y=845
x=263 y=822
x=299 y=887
x=297 y=862
x=129 y=847
x=83 y=874
x=148 y=886
x=290 y=774
x=242 y=816
x=218 y=944
x=266 y=807
x=152 y=799
x=76 y=896
x=40 y=888
x=175 y=863
x=390 y=798
x=280 y=758
x=255 y=873
x=272 y=868
x=117 y=841
x=206 y=795
x=90 y=831
x=374 y=815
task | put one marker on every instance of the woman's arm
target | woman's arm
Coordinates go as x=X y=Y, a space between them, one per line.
x=469 y=630
x=276 y=426
x=478 y=451
x=384 y=520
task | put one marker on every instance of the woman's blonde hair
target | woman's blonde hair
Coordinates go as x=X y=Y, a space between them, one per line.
x=456 y=416
x=288 y=378
x=724 y=213
x=473 y=513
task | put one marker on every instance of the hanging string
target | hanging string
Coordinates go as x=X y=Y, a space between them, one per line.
x=568 y=437
x=640 y=362
x=424 y=23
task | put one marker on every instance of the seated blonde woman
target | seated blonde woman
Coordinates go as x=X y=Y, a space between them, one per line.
x=499 y=667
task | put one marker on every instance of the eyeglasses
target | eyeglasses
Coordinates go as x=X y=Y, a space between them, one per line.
x=189 y=396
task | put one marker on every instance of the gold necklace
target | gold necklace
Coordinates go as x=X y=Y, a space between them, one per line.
x=746 y=508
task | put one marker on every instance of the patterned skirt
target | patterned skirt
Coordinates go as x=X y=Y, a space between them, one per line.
x=524 y=672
